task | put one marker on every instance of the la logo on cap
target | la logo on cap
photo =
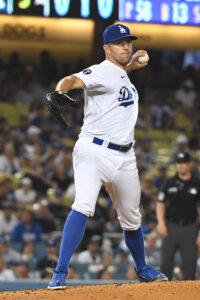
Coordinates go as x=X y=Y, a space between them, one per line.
x=122 y=29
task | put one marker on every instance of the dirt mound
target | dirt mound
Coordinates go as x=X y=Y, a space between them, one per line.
x=180 y=290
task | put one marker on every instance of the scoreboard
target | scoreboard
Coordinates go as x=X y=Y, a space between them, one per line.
x=61 y=8
x=176 y=12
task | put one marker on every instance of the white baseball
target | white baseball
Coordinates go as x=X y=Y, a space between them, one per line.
x=143 y=59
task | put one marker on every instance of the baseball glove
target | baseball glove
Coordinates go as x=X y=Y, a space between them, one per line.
x=57 y=103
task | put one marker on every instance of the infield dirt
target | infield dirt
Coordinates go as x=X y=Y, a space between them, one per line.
x=176 y=290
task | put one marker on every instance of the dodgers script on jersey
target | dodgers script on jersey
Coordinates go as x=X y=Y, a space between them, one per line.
x=111 y=103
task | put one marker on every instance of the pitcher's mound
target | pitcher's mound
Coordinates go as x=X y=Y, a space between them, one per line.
x=176 y=290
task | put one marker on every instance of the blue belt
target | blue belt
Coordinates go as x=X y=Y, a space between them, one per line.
x=121 y=148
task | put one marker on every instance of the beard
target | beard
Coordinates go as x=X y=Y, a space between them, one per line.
x=123 y=61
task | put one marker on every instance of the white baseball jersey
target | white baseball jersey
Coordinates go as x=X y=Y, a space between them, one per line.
x=111 y=103
x=111 y=110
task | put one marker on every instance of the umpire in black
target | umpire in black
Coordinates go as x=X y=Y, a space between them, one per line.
x=177 y=212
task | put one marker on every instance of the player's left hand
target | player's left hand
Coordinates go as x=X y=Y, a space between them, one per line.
x=57 y=102
x=134 y=64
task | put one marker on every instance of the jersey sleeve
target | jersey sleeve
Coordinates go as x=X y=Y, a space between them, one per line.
x=93 y=78
x=162 y=193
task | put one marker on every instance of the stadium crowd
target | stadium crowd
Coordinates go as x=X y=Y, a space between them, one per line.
x=36 y=174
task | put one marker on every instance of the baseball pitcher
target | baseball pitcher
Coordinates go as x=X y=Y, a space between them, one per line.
x=104 y=152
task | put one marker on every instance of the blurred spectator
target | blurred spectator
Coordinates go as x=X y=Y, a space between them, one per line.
x=25 y=93
x=5 y=274
x=34 y=171
x=93 y=252
x=16 y=139
x=39 y=149
x=161 y=177
x=105 y=274
x=46 y=68
x=3 y=126
x=29 y=255
x=142 y=170
x=50 y=258
x=67 y=162
x=27 y=230
x=6 y=191
x=131 y=274
x=22 y=270
x=7 y=220
x=60 y=177
x=149 y=222
x=195 y=167
x=24 y=124
x=44 y=218
x=194 y=142
x=146 y=152
x=28 y=252
x=55 y=150
x=49 y=166
x=162 y=115
x=147 y=184
x=58 y=151
x=25 y=194
x=186 y=95
x=181 y=145
x=120 y=255
x=20 y=212
x=9 y=163
x=58 y=208
x=40 y=115
x=7 y=252
x=152 y=247
x=14 y=65
x=112 y=225
x=47 y=273
x=146 y=201
x=72 y=272
x=2 y=143
x=33 y=134
x=49 y=131
x=107 y=260
x=95 y=224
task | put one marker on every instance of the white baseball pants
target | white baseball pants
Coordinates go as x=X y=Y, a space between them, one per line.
x=95 y=165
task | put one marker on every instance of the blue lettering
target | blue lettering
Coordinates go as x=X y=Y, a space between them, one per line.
x=125 y=104
x=125 y=94
x=62 y=7
x=85 y=8
x=105 y=8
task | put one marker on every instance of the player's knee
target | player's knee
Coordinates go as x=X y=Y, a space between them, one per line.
x=84 y=209
x=130 y=224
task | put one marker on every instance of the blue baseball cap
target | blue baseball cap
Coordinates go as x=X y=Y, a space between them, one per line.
x=117 y=32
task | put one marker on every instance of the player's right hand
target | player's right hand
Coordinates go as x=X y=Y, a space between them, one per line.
x=134 y=64
x=162 y=230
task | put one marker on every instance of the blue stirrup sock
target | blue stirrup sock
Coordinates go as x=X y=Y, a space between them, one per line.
x=135 y=242
x=72 y=235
